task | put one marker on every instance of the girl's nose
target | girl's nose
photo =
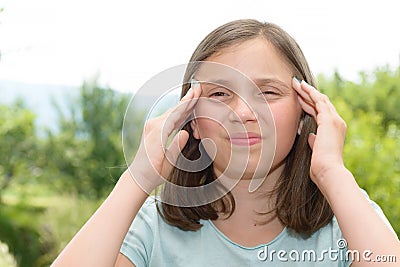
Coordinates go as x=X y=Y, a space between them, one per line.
x=242 y=111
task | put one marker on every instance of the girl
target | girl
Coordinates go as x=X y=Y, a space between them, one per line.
x=307 y=210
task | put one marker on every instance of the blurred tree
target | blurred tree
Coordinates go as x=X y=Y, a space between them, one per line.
x=386 y=86
x=377 y=92
x=372 y=147
x=18 y=143
x=18 y=151
x=87 y=152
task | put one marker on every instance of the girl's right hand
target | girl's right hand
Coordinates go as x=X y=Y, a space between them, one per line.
x=153 y=161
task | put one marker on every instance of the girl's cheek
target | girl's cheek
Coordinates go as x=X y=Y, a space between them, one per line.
x=215 y=113
x=265 y=118
x=211 y=109
x=287 y=120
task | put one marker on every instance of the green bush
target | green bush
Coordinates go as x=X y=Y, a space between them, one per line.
x=37 y=223
x=372 y=147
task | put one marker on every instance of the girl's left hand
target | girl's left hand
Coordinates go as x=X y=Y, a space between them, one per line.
x=327 y=143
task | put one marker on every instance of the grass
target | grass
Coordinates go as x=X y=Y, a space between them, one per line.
x=52 y=218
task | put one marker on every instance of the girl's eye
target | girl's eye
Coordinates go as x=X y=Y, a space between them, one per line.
x=270 y=94
x=219 y=94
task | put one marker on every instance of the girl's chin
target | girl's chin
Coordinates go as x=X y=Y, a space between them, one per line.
x=245 y=174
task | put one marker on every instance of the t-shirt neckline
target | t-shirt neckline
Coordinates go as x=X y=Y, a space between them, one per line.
x=281 y=234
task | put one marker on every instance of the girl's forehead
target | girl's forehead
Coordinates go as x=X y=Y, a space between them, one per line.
x=243 y=44
x=254 y=58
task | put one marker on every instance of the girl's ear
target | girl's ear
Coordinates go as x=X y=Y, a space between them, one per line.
x=193 y=125
x=300 y=126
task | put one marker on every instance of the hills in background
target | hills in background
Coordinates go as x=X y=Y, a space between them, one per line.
x=39 y=98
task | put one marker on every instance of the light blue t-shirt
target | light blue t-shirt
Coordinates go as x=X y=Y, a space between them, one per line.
x=152 y=242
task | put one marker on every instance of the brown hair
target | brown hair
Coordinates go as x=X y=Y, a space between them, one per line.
x=299 y=203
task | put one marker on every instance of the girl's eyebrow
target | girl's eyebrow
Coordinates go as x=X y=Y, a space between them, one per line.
x=271 y=81
x=258 y=82
x=218 y=82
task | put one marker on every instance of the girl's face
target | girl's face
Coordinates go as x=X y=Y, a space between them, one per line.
x=252 y=121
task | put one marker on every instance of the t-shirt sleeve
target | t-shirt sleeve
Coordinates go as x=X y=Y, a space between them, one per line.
x=346 y=260
x=378 y=210
x=138 y=242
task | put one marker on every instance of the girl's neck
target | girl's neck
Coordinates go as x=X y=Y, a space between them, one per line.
x=249 y=204
x=246 y=226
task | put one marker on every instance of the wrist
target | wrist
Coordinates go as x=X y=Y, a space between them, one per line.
x=139 y=181
x=333 y=180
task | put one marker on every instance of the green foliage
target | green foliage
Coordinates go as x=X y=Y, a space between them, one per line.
x=84 y=157
x=20 y=235
x=18 y=143
x=372 y=147
x=378 y=92
x=37 y=223
x=87 y=151
x=62 y=219
x=18 y=151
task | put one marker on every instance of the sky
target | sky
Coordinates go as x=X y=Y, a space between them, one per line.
x=125 y=43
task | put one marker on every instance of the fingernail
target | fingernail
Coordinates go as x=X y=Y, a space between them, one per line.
x=194 y=84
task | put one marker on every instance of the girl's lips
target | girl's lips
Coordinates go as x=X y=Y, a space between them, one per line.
x=245 y=139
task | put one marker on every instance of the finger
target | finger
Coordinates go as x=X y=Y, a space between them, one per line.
x=307 y=107
x=309 y=93
x=187 y=102
x=197 y=90
x=312 y=93
x=177 y=144
x=321 y=101
x=323 y=105
x=193 y=87
x=175 y=120
x=193 y=93
x=296 y=84
x=311 y=140
x=190 y=99
x=175 y=148
x=176 y=116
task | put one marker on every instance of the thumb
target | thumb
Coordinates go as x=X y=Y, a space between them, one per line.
x=176 y=146
x=311 y=140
